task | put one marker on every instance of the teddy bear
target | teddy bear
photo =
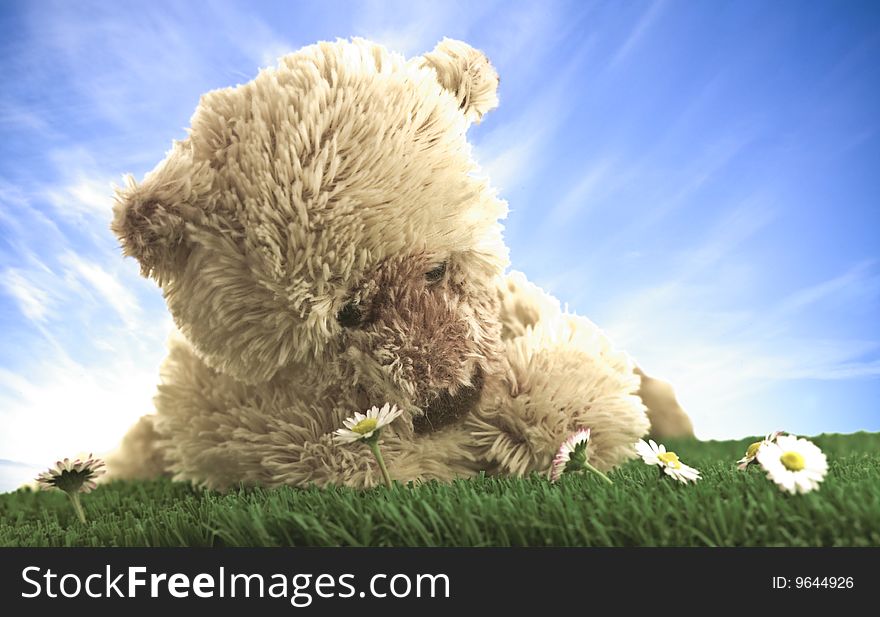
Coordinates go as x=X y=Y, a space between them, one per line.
x=326 y=242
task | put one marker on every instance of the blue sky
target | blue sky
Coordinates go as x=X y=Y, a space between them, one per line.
x=699 y=178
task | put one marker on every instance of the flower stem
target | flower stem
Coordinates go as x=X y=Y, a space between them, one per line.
x=77 y=506
x=374 y=447
x=598 y=473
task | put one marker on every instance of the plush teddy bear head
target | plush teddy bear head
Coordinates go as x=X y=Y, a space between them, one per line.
x=327 y=219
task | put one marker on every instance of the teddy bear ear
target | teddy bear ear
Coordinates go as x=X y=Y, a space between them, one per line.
x=467 y=74
x=149 y=229
x=150 y=218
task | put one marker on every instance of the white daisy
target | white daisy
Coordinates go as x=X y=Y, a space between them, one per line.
x=796 y=465
x=752 y=450
x=572 y=455
x=73 y=478
x=366 y=428
x=363 y=427
x=653 y=454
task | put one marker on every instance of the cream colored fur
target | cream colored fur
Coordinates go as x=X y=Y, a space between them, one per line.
x=297 y=235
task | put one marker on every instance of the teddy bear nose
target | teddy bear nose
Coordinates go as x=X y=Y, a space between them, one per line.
x=350 y=316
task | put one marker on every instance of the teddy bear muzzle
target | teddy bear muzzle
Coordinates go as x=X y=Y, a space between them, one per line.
x=448 y=407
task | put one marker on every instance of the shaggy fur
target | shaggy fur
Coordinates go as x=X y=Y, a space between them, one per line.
x=325 y=244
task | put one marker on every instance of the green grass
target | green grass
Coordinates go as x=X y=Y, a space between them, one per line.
x=727 y=508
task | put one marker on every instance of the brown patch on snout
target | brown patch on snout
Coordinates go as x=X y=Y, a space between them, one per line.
x=448 y=408
x=429 y=329
x=431 y=339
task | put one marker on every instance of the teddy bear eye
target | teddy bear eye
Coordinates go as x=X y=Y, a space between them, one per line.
x=435 y=274
x=350 y=316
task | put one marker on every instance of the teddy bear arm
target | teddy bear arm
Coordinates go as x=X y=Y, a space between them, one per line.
x=561 y=373
x=524 y=305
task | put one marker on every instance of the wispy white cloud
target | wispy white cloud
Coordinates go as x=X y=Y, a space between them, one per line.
x=855 y=286
x=642 y=26
x=20 y=117
x=679 y=190
x=15 y=474
x=63 y=407
x=257 y=40
x=108 y=286
x=108 y=62
x=604 y=184
x=84 y=197
x=599 y=179
x=33 y=301
x=21 y=221
x=408 y=41
x=94 y=330
x=52 y=401
x=511 y=151
x=506 y=164
x=417 y=26
x=686 y=329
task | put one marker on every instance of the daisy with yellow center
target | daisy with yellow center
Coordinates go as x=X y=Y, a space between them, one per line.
x=752 y=450
x=795 y=465
x=572 y=457
x=668 y=462
x=366 y=428
x=73 y=478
